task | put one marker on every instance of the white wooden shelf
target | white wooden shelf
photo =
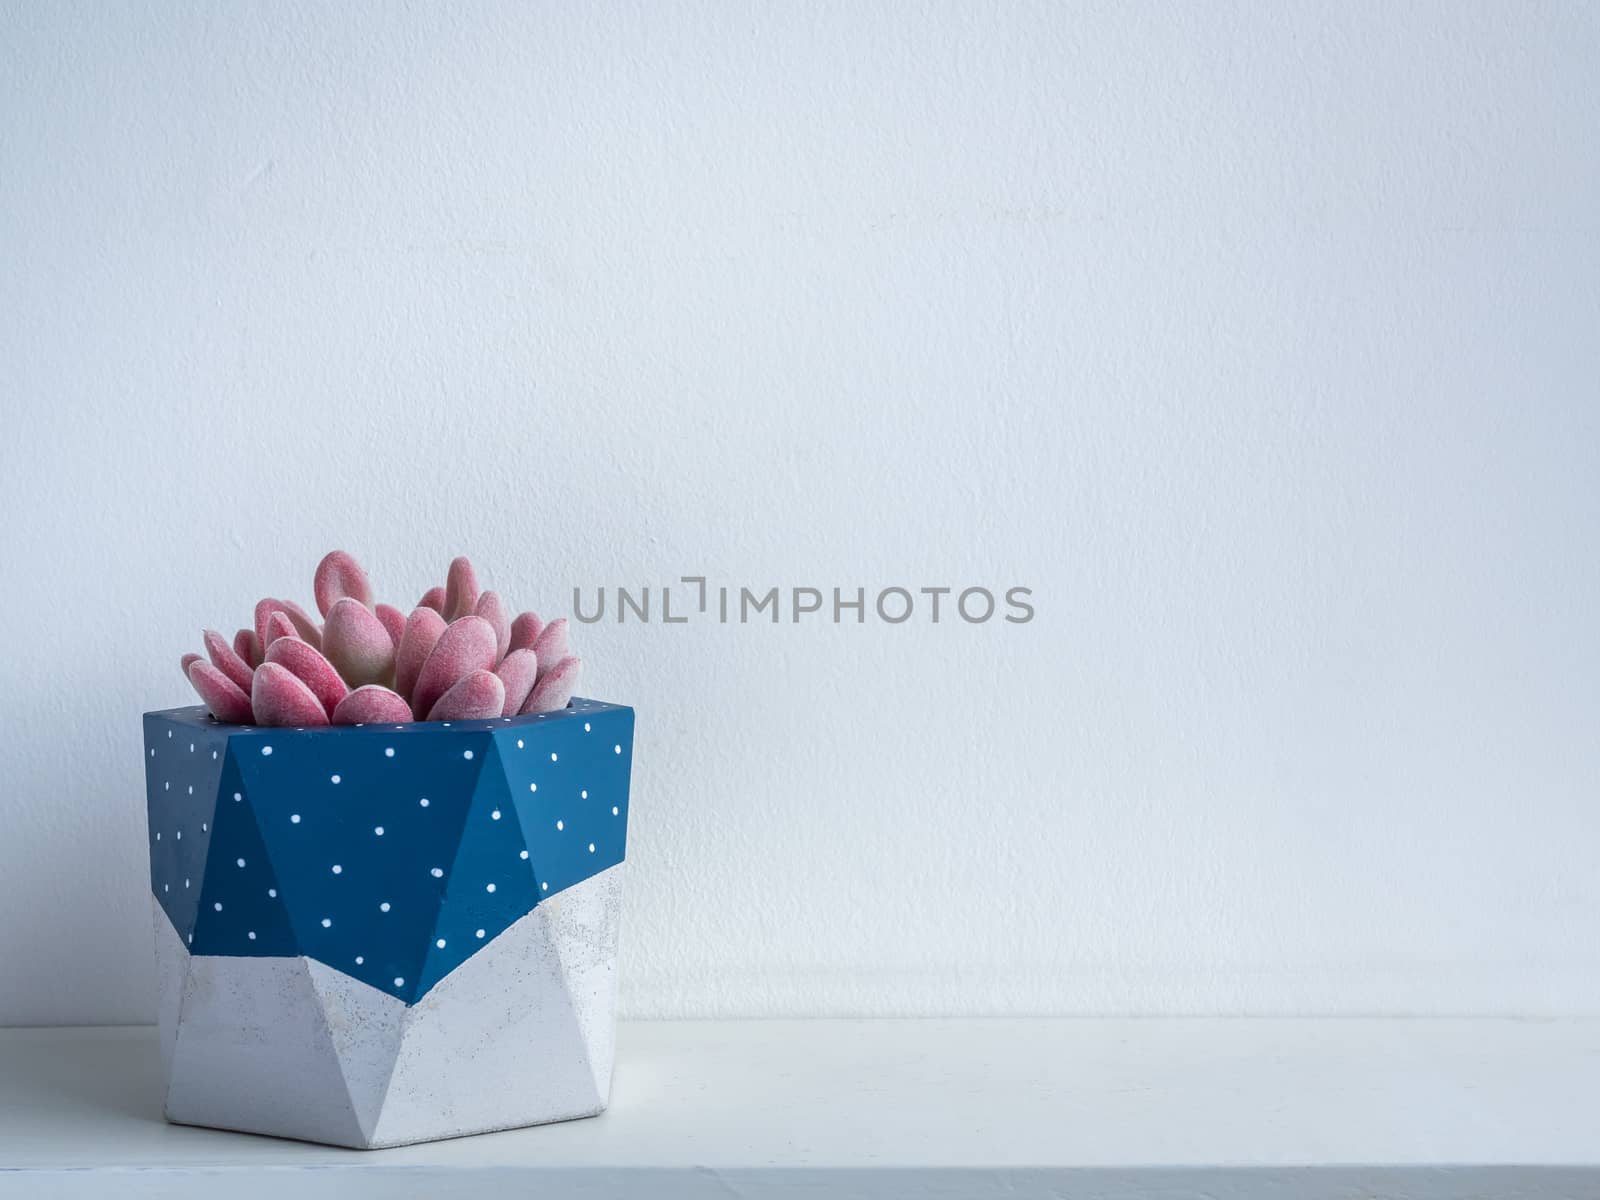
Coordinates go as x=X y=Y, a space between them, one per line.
x=1127 y=1108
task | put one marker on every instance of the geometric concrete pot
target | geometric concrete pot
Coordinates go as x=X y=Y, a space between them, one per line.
x=370 y=935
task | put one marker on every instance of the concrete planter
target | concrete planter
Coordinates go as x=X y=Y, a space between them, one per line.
x=374 y=935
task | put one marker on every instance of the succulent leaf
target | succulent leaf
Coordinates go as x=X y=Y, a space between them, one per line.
x=477 y=696
x=551 y=645
x=518 y=671
x=311 y=668
x=188 y=661
x=278 y=626
x=460 y=589
x=303 y=623
x=247 y=648
x=304 y=626
x=433 y=598
x=466 y=646
x=338 y=576
x=264 y=610
x=525 y=630
x=554 y=689
x=225 y=660
x=279 y=697
x=370 y=705
x=225 y=698
x=394 y=621
x=423 y=629
x=492 y=611
x=357 y=644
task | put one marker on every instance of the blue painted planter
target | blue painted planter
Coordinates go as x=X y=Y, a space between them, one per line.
x=408 y=905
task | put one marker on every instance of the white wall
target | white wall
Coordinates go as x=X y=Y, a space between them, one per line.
x=1262 y=342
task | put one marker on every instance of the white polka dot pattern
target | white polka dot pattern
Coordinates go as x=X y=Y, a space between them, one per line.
x=314 y=823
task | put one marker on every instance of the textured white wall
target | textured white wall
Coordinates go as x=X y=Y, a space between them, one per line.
x=1260 y=341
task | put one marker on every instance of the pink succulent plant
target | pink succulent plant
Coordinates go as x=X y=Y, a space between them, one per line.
x=459 y=656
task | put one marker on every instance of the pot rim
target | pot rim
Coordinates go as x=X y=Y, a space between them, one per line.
x=198 y=716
